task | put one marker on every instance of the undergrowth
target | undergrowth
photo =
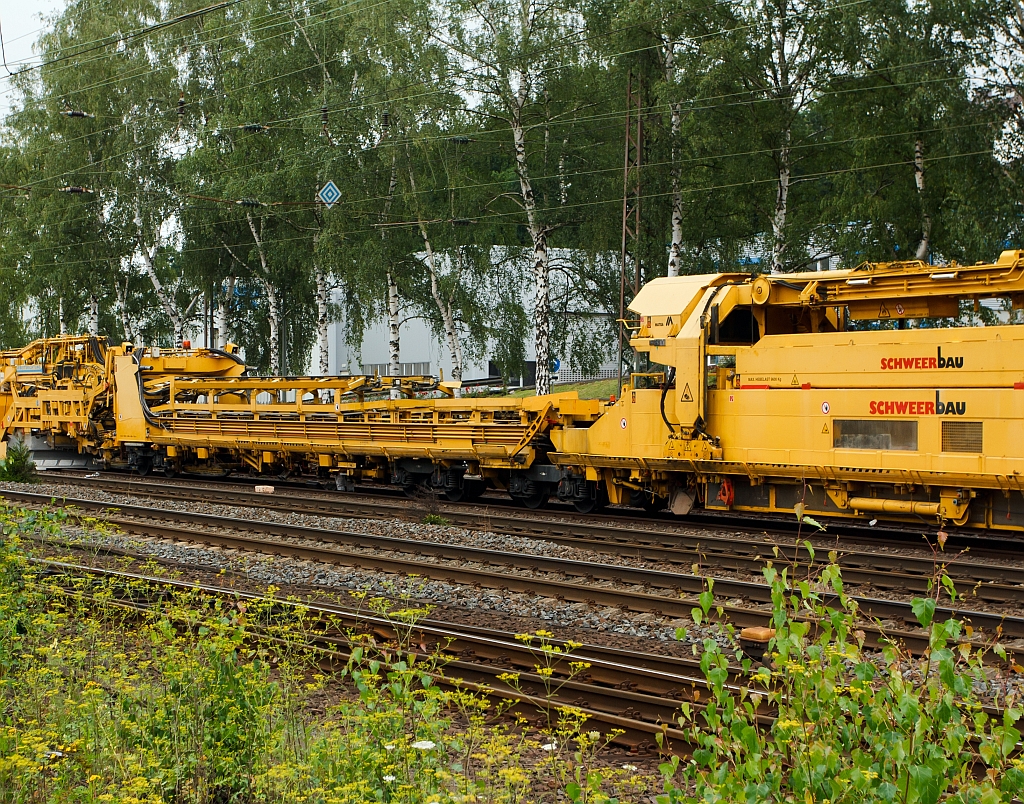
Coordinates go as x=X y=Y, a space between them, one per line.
x=851 y=724
x=205 y=700
x=214 y=701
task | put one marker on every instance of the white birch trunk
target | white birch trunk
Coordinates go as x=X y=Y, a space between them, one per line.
x=539 y=235
x=222 y=313
x=675 y=250
x=394 y=343
x=781 y=205
x=275 y=327
x=784 y=48
x=61 y=324
x=394 y=323
x=924 y=246
x=444 y=306
x=166 y=302
x=563 y=183
x=94 y=314
x=122 y=306
x=273 y=303
x=323 y=318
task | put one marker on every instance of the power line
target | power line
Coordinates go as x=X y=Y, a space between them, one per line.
x=579 y=205
x=3 y=50
x=142 y=32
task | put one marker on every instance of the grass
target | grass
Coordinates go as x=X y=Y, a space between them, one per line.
x=596 y=389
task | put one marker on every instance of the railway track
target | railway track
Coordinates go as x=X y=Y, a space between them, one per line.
x=994 y=584
x=670 y=594
x=635 y=694
x=533 y=521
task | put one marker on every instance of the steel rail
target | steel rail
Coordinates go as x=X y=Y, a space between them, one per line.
x=633 y=697
x=606 y=694
x=741 y=522
x=584 y=592
x=992 y=583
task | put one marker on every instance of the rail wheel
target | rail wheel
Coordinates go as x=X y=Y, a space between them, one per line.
x=595 y=498
x=418 y=487
x=651 y=503
x=536 y=500
x=169 y=471
x=469 y=491
x=588 y=506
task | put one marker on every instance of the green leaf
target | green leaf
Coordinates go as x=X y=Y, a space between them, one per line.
x=573 y=790
x=697 y=615
x=813 y=523
x=924 y=610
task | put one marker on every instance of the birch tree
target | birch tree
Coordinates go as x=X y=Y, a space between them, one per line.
x=511 y=50
x=785 y=54
x=908 y=119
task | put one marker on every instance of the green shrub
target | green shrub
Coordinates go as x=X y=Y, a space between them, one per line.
x=18 y=467
x=851 y=725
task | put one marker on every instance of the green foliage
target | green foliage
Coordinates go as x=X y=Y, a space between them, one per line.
x=436 y=519
x=18 y=466
x=201 y=699
x=827 y=100
x=849 y=724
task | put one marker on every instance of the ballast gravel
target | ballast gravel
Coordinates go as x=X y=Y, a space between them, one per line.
x=572 y=620
x=281 y=570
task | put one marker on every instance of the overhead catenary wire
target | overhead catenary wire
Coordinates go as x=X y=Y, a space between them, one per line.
x=590 y=118
x=285 y=22
x=577 y=205
x=614 y=169
x=593 y=118
x=131 y=36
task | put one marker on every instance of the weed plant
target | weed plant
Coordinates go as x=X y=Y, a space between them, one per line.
x=204 y=700
x=851 y=725
x=207 y=700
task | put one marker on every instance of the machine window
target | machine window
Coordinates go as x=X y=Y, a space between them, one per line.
x=961 y=436
x=874 y=434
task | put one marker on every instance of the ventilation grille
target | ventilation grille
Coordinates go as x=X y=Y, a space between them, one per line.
x=961 y=437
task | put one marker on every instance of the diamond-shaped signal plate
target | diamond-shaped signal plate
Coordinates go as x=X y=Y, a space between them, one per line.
x=329 y=194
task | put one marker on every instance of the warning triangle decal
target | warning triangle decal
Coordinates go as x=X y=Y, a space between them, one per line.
x=883 y=311
x=824 y=430
x=795 y=381
x=687 y=396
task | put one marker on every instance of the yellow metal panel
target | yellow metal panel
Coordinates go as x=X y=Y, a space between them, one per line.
x=797 y=427
x=969 y=357
x=131 y=423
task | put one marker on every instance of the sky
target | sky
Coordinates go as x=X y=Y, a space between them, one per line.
x=20 y=22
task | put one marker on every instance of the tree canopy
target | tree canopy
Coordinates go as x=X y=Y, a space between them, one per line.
x=161 y=161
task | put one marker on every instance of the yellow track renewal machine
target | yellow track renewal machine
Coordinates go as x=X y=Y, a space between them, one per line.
x=838 y=394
